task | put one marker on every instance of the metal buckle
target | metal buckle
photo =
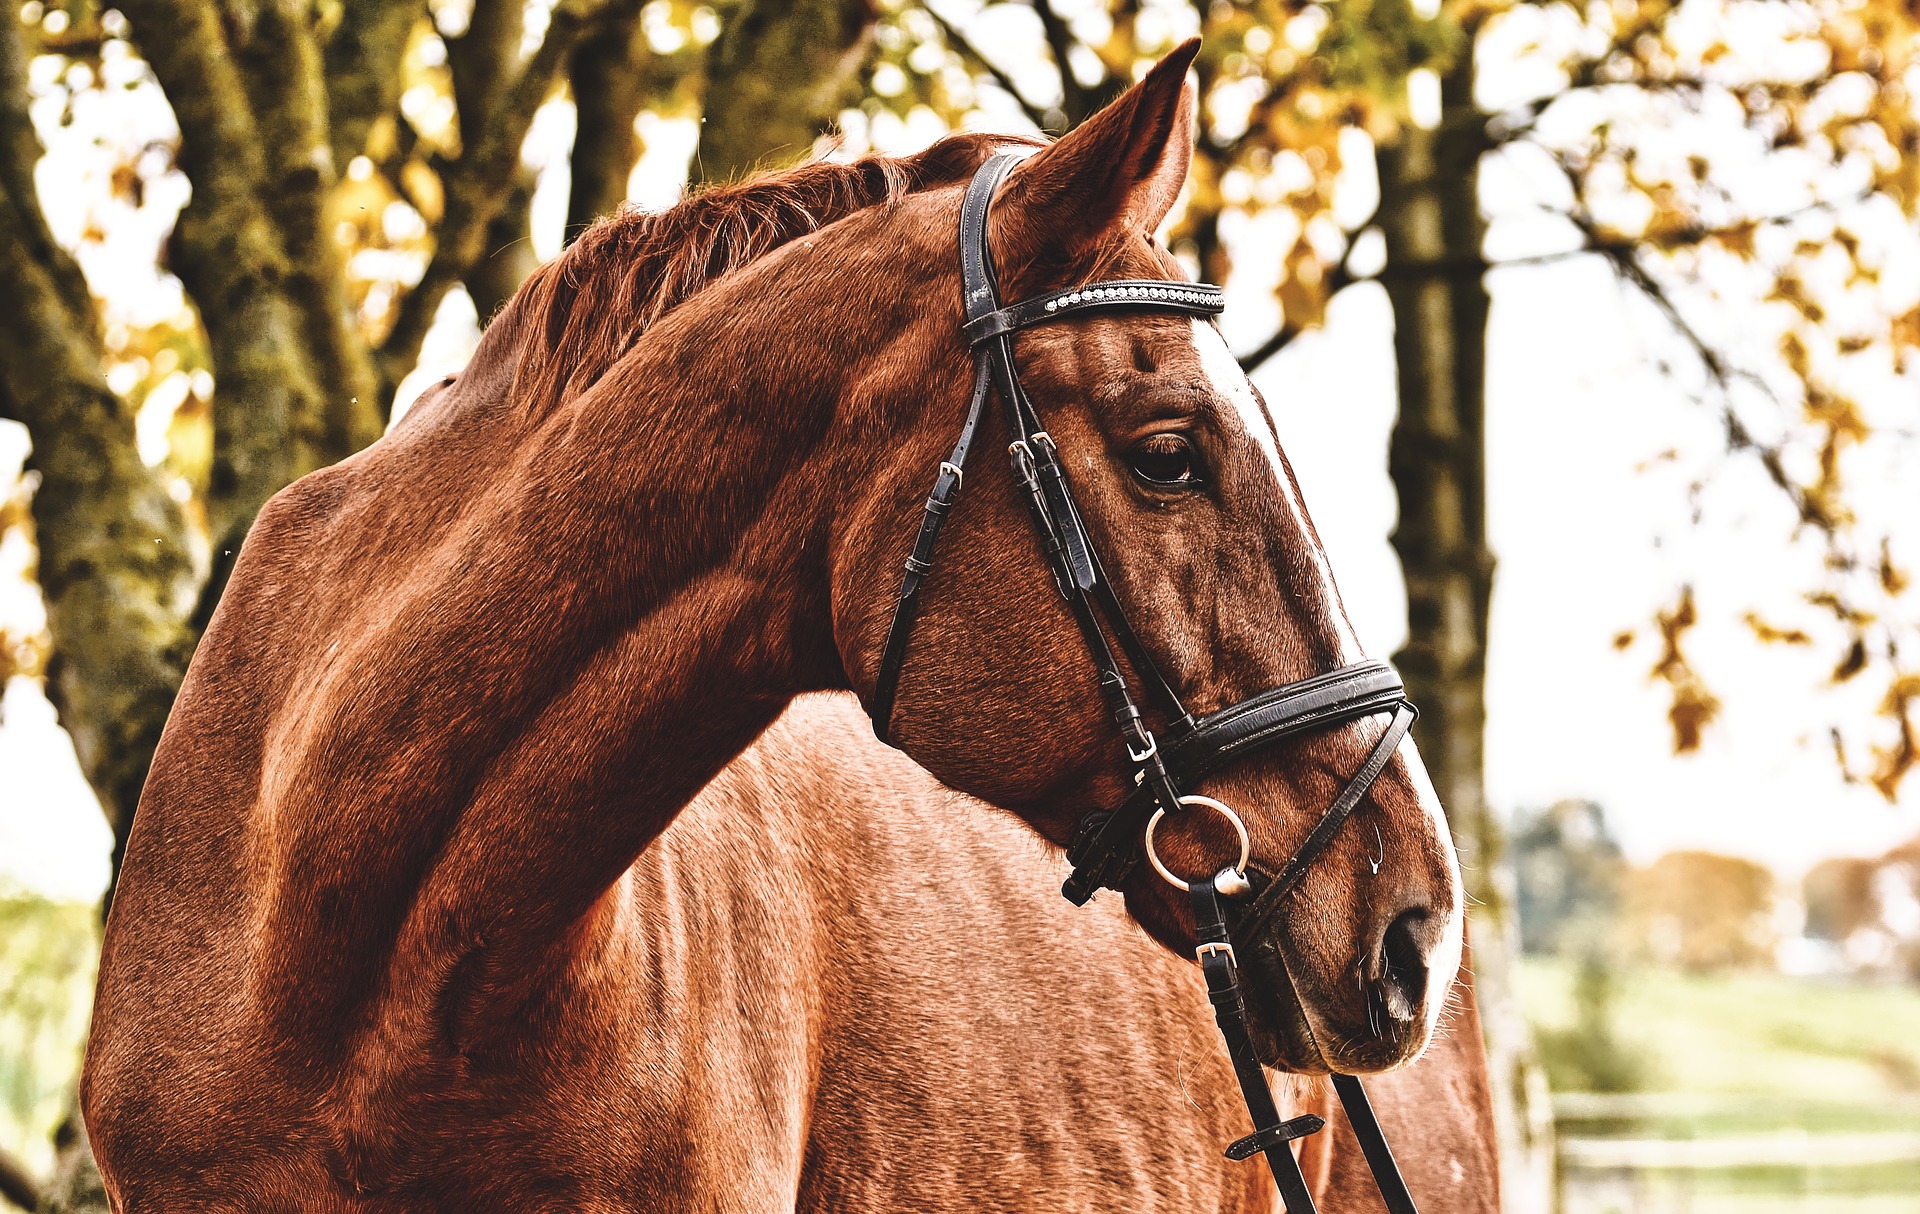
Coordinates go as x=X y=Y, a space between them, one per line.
x=959 y=477
x=1217 y=946
x=1153 y=748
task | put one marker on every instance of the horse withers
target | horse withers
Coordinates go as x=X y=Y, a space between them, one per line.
x=378 y=942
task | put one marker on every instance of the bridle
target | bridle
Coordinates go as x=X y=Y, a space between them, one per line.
x=1108 y=844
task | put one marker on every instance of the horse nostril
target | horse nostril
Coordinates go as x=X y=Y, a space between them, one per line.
x=1403 y=964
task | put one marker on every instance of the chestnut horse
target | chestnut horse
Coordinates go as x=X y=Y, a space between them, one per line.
x=400 y=926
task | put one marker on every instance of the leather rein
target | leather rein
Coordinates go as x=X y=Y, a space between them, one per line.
x=1108 y=844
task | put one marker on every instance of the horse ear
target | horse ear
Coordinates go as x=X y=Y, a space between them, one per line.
x=1120 y=170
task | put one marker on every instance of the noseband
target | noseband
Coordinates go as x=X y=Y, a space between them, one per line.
x=1108 y=844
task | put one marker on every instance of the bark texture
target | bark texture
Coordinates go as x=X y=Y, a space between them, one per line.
x=362 y=60
x=114 y=565
x=271 y=101
x=613 y=75
x=779 y=70
x=1436 y=280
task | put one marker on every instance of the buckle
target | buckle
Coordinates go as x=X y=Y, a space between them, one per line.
x=1141 y=756
x=1210 y=947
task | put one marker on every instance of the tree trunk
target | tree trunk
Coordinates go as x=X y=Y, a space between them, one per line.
x=613 y=75
x=510 y=257
x=114 y=564
x=1435 y=278
x=775 y=75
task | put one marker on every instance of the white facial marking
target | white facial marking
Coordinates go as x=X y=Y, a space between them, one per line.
x=1223 y=372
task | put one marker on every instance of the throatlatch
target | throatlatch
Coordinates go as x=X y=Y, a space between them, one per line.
x=1108 y=844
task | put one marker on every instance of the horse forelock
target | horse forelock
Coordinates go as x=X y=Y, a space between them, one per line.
x=578 y=314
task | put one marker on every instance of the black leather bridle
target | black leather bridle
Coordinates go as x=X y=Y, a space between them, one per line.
x=1108 y=844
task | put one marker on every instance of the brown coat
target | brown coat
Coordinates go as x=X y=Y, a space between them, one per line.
x=402 y=925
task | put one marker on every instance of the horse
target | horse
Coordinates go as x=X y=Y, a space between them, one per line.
x=395 y=928
x=979 y=1020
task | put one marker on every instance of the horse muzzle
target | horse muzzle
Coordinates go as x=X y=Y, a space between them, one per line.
x=1377 y=1013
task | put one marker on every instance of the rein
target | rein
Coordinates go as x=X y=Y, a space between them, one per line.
x=1108 y=844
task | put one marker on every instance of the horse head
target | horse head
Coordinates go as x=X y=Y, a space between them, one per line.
x=1190 y=504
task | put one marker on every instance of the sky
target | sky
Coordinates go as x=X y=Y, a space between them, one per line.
x=1592 y=441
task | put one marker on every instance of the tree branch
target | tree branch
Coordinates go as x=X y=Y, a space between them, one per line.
x=779 y=70
x=482 y=62
x=1077 y=101
x=476 y=187
x=1723 y=375
x=19 y=153
x=362 y=62
x=17 y=1184
x=957 y=39
x=1283 y=337
x=614 y=75
x=280 y=66
x=271 y=419
x=1623 y=256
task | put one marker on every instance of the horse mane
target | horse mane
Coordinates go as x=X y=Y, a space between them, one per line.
x=582 y=311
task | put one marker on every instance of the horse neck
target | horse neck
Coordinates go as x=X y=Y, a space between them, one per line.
x=636 y=593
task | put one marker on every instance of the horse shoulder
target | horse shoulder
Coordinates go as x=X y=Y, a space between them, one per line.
x=978 y=1024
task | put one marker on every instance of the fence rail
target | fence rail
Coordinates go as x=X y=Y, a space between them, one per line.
x=1624 y=1106
x=1786 y=1149
x=1695 y=1153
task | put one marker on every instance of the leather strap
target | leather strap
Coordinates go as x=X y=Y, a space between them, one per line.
x=946 y=486
x=1373 y=1145
x=1271 y=1136
x=1268 y=900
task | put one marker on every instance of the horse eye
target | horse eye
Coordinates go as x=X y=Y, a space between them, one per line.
x=1165 y=461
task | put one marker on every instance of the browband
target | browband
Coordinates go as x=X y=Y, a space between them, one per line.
x=1201 y=299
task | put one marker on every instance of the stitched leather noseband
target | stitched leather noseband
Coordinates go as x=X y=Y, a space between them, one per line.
x=1107 y=845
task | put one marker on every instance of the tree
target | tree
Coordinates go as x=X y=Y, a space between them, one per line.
x=1869 y=909
x=1840 y=897
x=350 y=165
x=1568 y=874
x=1704 y=912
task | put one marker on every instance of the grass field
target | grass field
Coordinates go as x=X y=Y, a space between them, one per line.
x=1751 y=1034
x=1816 y=1067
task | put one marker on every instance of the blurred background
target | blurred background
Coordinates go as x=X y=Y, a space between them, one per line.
x=1590 y=329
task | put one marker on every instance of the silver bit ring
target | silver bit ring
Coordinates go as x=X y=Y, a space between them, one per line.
x=1225 y=811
